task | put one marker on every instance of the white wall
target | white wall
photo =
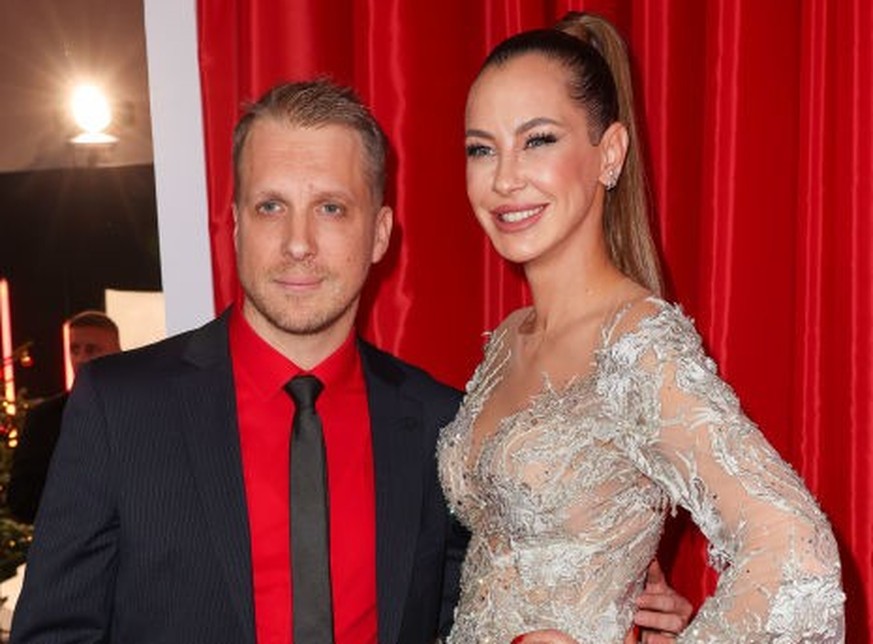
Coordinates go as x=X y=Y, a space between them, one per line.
x=180 y=176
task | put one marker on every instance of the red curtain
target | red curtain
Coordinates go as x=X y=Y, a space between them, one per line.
x=757 y=115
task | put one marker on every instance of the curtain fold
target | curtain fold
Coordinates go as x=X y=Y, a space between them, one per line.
x=757 y=124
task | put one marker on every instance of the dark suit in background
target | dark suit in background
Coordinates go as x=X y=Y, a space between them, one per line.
x=30 y=460
x=90 y=334
x=143 y=531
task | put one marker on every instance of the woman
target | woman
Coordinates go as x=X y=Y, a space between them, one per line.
x=595 y=411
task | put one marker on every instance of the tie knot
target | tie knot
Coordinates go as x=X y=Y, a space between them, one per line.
x=304 y=390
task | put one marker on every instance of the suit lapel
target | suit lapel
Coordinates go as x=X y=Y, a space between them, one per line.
x=206 y=394
x=397 y=453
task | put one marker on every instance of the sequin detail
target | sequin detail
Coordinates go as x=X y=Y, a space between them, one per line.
x=567 y=499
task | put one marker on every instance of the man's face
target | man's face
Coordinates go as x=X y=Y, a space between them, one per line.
x=87 y=342
x=307 y=229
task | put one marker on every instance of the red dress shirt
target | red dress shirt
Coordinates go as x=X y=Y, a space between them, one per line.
x=264 y=412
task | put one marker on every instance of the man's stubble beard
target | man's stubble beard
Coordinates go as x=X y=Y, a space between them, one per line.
x=285 y=313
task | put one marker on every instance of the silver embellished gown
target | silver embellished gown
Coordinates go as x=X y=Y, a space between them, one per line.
x=566 y=500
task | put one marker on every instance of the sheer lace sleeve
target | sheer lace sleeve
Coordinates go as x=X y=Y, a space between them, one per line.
x=684 y=428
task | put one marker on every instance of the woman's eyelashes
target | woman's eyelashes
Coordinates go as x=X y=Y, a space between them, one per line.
x=531 y=141
x=477 y=150
x=539 y=139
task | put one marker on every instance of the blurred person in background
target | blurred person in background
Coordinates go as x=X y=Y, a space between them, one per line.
x=92 y=334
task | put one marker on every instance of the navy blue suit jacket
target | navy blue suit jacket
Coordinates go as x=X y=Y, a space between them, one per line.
x=142 y=534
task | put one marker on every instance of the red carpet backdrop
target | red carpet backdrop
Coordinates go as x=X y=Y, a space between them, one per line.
x=757 y=116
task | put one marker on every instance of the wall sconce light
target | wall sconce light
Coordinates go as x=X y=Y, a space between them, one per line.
x=92 y=114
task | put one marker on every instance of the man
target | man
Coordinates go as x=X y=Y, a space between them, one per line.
x=166 y=515
x=91 y=334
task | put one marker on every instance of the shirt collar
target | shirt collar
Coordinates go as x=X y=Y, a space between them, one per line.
x=269 y=370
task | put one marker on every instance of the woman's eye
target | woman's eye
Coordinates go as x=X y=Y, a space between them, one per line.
x=538 y=140
x=478 y=150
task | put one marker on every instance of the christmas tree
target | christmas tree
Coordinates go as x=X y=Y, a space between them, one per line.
x=15 y=537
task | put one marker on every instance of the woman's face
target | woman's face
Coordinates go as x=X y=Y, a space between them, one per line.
x=533 y=175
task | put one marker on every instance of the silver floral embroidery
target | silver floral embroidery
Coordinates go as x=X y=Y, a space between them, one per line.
x=568 y=497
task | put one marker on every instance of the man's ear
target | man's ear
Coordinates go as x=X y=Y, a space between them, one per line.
x=613 y=146
x=382 y=232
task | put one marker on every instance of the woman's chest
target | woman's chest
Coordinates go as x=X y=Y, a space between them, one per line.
x=544 y=467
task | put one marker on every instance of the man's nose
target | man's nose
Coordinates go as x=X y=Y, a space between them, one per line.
x=299 y=240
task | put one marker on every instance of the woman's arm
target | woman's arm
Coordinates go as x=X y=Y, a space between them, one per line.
x=774 y=548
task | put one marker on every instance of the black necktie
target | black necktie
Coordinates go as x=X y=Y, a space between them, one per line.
x=310 y=558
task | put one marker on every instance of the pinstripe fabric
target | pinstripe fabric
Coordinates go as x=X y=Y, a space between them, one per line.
x=142 y=536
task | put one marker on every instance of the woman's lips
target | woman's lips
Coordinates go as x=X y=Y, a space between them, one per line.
x=516 y=217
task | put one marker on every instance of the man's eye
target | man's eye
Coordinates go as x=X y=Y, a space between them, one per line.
x=478 y=150
x=269 y=207
x=332 y=209
x=538 y=140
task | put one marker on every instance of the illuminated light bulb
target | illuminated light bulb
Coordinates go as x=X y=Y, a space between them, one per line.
x=91 y=109
x=92 y=113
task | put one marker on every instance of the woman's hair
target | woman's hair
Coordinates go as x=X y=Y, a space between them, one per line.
x=596 y=59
